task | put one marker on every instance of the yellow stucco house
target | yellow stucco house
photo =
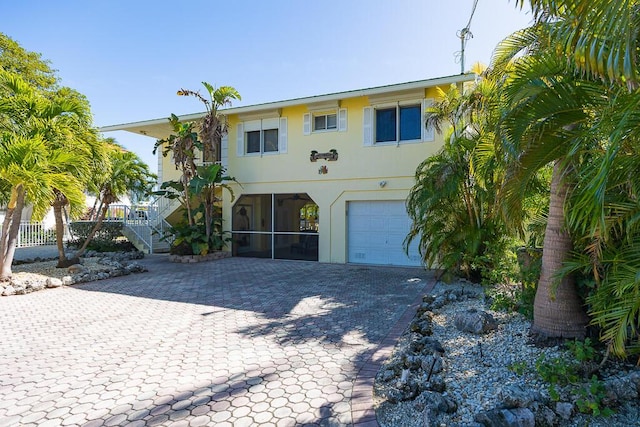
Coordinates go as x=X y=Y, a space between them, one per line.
x=322 y=178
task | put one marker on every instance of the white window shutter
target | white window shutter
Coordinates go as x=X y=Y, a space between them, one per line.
x=224 y=151
x=306 y=124
x=367 y=126
x=342 y=120
x=282 y=135
x=428 y=133
x=240 y=140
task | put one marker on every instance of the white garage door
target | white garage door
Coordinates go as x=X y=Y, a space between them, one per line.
x=376 y=231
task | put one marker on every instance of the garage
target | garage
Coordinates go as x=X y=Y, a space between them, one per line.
x=375 y=232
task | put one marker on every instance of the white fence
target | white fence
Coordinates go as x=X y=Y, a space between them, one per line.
x=35 y=234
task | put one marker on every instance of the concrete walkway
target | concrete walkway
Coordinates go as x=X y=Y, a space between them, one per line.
x=235 y=342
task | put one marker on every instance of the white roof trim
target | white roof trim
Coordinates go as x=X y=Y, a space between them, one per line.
x=333 y=97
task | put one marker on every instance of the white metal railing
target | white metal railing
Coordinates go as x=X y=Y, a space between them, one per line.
x=36 y=234
x=144 y=221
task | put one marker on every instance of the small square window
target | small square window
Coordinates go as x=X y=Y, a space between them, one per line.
x=325 y=122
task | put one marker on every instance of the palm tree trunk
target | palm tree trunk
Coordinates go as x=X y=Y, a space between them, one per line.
x=10 y=230
x=94 y=230
x=557 y=308
x=59 y=202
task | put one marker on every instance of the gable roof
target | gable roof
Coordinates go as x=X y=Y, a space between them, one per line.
x=160 y=128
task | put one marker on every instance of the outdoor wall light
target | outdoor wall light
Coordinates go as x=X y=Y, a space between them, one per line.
x=382 y=183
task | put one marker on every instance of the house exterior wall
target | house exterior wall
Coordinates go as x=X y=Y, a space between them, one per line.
x=364 y=170
x=355 y=176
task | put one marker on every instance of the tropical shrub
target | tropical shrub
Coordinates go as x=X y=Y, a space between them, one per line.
x=199 y=185
x=108 y=238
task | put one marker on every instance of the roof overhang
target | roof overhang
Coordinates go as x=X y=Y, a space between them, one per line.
x=160 y=128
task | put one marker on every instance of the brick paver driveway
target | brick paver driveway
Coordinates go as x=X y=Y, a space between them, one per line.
x=232 y=342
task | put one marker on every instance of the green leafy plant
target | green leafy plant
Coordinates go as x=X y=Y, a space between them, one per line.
x=108 y=238
x=518 y=368
x=591 y=398
x=565 y=371
x=556 y=371
x=199 y=184
x=583 y=351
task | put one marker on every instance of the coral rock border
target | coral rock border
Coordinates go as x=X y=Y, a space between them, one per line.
x=187 y=259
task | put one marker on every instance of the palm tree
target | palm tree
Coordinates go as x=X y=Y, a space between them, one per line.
x=453 y=205
x=128 y=174
x=546 y=110
x=73 y=132
x=213 y=126
x=559 y=111
x=31 y=168
x=205 y=136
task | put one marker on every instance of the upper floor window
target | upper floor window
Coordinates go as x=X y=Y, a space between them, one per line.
x=325 y=122
x=333 y=120
x=402 y=122
x=262 y=141
x=266 y=136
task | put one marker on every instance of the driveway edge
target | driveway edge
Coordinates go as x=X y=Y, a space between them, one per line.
x=362 y=411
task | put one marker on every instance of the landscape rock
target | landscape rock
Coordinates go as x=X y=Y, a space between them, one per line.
x=544 y=416
x=622 y=387
x=514 y=396
x=8 y=290
x=432 y=363
x=421 y=324
x=475 y=321
x=38 y=276
x=76 y=269
x=488 y=380
x=37 y=286
x=53 y=282
x=564 y=410
x=517 y=417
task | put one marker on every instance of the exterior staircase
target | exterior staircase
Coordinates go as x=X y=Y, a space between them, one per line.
x=156 y=246
x=145 y=226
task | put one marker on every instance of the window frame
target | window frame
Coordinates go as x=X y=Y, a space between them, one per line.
x=262 y=128
x=315 y=129
x=398 y=107
x=309 y=126
x=370 y=124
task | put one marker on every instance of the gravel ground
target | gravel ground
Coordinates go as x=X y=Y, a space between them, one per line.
x=48 y=268
x=477 y=370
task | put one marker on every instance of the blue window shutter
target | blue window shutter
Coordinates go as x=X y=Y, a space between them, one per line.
x=306 y=124
x=367 y=126
x=282 y=135
x=240 y=140
x=342 y=120
x=224 y=148
x=428 y=134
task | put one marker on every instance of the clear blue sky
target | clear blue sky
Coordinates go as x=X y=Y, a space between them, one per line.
x=129 y=57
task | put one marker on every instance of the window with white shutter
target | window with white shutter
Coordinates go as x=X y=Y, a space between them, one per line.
x=396 y=123
x=266 y=136
x=324 y=121
x=367 y=126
